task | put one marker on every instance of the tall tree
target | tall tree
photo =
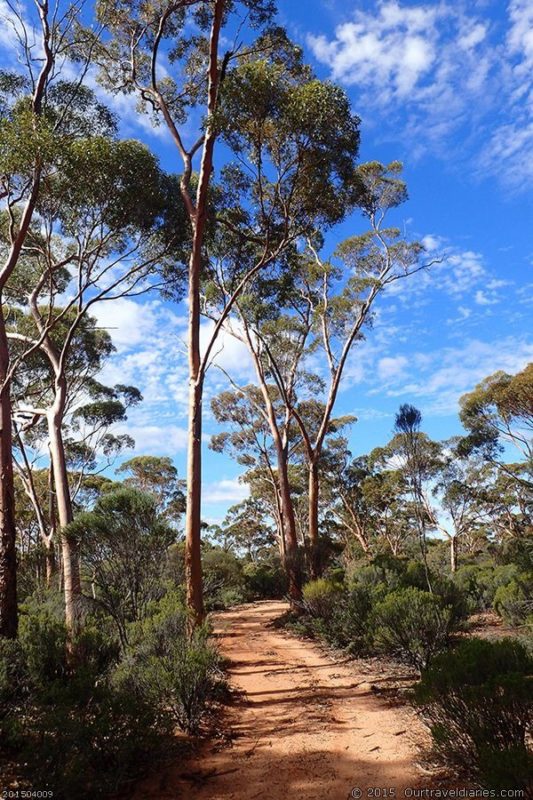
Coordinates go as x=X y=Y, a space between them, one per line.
x=39 y=116
x=186 y=36
x=287 y=174
x=497 y=413
x=323 y=309
x=420 y=460
x=157 y=475
x=100 y=233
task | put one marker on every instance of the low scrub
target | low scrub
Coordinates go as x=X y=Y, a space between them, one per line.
x=320 y=598
x=83 y=733
x=171 y=670
x=412 y=625
x=478 y=701
x=514 y=601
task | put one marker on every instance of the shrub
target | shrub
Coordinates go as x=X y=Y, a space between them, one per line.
x=350 y=621
x=453 y=597
x=413 y=625
x=514 y=601
x=43 y=639
x=171 y=670
x=481 y=582
x=222 y=571
x=320 y=598
x=232 y=596
x=13 y=692
x=88 y=749
x=478 y=700
x=123 y=544
x=265 y=579
x=75 y=735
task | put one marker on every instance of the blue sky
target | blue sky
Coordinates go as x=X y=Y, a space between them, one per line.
x=445 y=87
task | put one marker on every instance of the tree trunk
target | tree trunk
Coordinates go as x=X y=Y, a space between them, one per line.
x=292 y=559
x=193 y=556
x=69 y=548
x=314 y=489
x=453 y=554
x=8 y=557
x=193 y=520
x=50 y=561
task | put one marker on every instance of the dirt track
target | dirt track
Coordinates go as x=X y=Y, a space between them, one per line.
x=304 y=725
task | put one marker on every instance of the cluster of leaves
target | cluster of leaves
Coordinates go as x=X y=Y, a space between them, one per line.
x=385 y=608
x=478 y=700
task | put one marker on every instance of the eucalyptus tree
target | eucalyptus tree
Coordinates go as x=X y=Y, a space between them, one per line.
x=369 y=501
x=40 y=114
x=102 y=233
x=124 y=542
x=156 y=475
x=420 y=459
x=267 y=460
x=318 y=314
x=67 y=412
x=282 y=177
x=498 y=413
x=461 y=487
x=247 y=529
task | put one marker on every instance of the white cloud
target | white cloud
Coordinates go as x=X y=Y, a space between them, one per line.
x=426 y=71
x=228 y=352
x=390 y=51
x=225 y=491
x=453 y=371
x=391 y=367
x=520 y=36
x=156 y=439
x=482 y=299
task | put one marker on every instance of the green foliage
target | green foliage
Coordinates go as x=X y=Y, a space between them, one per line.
x=123 y=547
x=265 y=578
x=169 y=669
x=350 y=624
x=320 y=598
x=158 y=476
x=480 y=582
x=514 y=600
x=222 y=571
x=413 y=625
x=75 y=734
x=478 y=700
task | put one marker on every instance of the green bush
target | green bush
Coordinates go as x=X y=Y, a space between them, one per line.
x=171 y=670
x=88 y=749
x=480 y=582
x=514 y=601
x=320 y=598
x=265 y=579
x=412 y=625
x=478 y=700
x=350 y=626
x=75 y=734
x=232 y=596
x=222 y=570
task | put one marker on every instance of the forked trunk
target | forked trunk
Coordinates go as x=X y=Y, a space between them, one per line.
x=8 y=558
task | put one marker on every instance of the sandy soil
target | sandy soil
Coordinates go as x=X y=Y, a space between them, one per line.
x=304 y=724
